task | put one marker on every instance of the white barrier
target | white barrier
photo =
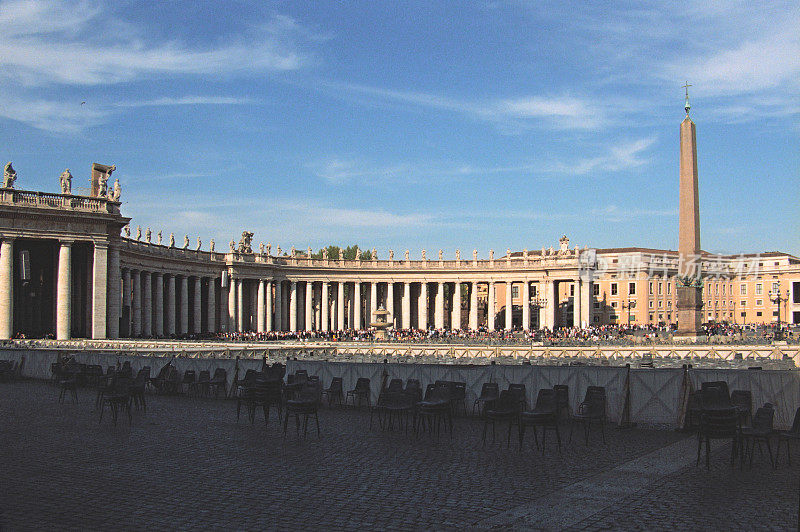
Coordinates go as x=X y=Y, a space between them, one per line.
x=654 y=392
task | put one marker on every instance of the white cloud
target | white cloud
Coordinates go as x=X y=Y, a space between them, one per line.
x=620 y=157
x=49 y=115
x=187 y=100
x=48 y=42
x=560 y=112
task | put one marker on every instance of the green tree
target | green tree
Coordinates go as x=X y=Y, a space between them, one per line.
x=349 y=253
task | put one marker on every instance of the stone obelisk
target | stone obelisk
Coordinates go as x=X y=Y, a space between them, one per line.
x=689 y=291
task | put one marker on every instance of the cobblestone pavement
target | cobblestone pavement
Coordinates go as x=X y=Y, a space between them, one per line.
x=188 y=464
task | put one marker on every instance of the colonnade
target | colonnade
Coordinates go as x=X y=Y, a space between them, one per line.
x=269 y=305
x=166 y=304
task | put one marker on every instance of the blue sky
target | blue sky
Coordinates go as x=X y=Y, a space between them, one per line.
x=487 y=125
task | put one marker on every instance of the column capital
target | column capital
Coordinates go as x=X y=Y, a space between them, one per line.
x=66 y=241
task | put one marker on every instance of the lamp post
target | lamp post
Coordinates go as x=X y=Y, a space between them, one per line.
x=631 y=305
x=538 y=303
x=776 y=298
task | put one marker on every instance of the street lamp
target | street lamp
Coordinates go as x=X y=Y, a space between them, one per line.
x=538 y=303
x=631 y=305
x=776 y=298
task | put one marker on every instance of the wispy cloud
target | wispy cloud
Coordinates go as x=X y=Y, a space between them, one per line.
x=618 y=157
x=35 y=51
x=49 y=115
x=557 y=111
x=187 y=100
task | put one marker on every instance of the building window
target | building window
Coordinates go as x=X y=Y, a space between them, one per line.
x=669 y=304
x=723 y=290
x=596 y=319
x=596 y=289
x=758 y=313
x=651 y=288
x=743 y=290
x=613 y=289
x=632 y=317
x=632 y=289
x=660 y=304
x=759 y=302
x=669 y=288
x=776 y=287
x=660 y=287
x=651 y=304
x=596 y=304
x=571 y=290
x=514 y=292
x=613 y=304
x=743 y=303
x=759 y=289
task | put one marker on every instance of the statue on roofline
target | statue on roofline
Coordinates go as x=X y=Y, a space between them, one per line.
x=65 y=180
x=211 y=246
x=185 y=241
x=159 y=238
x=138 y=232
x=148 y=235
x=9 y=176
x=245 y=244
x=172 y=240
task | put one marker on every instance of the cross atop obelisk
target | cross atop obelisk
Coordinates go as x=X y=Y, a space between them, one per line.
x=689 y=287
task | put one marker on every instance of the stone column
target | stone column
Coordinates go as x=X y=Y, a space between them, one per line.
x=211 y=305
x=252 y=319
x=114 y=296
x=576 y=304
x=261 y=322
x=224 y=291
x=473 y=306
x=158 y=324
x=147 y=304
x=136 y=317
x=490 y=308
x=586 y=302
x=184 y=313
x=64 y=292
x=526 y=305
x=390 y=302
x=240 y=316
x=340 y=307
x=99 y=290
x=170 y=304
x=308 y=305
x=357 y=305
x=6 y=288
x=438 y=314
x=197 y=311
x=268 y=306
x=293 y=306
x=373 y=301
x=324 y=302
x=455 y=320
x=509 y=307
x=126 y=301
x=422 y=306
x=406 y=304
x=552 y=304
x=278 y=305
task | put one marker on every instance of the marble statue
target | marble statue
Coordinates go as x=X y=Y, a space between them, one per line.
x=278 y=251
x=233 y=246
x=424 y=257
x=491 y=254
x=269 y=248
x=563 y=243
x=309 y=252
x=148 y=235
x=138 y=232
x=525 y=253
x=211 y=245
x=199 y=243
x=127 y=231
x=508 y=253
x=116 y=192
x=261 y=248
x=293 y=252
x=9 y=176
x=391 y=254
x=550 y=251
x=160 y=238
x=103 y=182
x=245 y=243
x=441 y=255
x=358 y=253
x=66 y=182
x=544 y=252
x=474 y=254
x=458 y=254
x=577 y=250
x=406 y=255
x=374 y=254
x=324 y=253
x=172 y=240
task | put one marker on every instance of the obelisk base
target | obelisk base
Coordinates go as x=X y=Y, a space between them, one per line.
x=690 y=314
